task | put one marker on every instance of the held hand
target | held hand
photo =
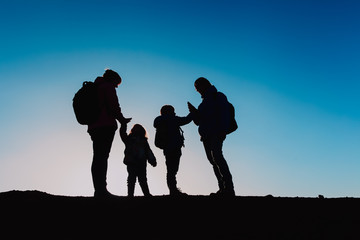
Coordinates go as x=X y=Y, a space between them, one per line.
x=125 y=120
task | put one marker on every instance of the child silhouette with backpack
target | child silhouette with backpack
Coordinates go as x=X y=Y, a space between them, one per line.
x=169 y=137
x=137 y=154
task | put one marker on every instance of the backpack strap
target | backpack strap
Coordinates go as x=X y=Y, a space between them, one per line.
x=182 y=136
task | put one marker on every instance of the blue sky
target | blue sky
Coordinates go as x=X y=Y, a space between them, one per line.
x=289 y=67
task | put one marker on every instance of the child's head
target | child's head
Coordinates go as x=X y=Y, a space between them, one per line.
x=167 y=110
x=138 y=130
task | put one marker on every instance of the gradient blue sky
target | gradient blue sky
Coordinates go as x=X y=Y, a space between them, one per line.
x=291 y=68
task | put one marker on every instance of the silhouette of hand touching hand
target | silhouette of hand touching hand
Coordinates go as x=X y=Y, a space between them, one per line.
x=191 y=107
x=125 y=120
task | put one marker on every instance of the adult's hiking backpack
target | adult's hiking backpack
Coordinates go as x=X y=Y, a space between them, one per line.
x=85 y=103
x=233 y=124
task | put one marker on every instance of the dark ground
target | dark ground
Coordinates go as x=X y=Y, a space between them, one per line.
x=38 y=215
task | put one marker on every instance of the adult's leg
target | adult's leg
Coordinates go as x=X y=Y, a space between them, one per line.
x=217 y=153
x=213 y=149
x=102 y=141
x=208 y=146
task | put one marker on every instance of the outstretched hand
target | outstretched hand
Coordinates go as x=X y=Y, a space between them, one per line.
x=191 y=107
x=126 y=120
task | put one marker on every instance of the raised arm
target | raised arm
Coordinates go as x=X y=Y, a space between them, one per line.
x=184 y=120
x=194 y=113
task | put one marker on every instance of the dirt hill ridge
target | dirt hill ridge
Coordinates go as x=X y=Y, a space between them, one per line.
x=42 y=215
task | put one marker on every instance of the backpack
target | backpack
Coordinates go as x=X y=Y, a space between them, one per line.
x=162 y=135
x=85 y=103
x=233 y=124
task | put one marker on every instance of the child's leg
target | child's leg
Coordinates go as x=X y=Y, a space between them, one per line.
x=143 y=180
x=172 y=167
x=131 y=180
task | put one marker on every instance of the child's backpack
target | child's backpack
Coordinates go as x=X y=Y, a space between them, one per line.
x=85 y=104
x=162 y=137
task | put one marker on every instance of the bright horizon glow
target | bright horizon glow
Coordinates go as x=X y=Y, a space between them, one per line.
x=289 y=68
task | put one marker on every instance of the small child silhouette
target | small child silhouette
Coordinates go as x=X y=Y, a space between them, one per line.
x=169 y=124
x=137 y=154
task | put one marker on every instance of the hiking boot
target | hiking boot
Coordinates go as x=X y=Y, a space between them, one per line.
x=224 y=193
x=104 y=194
x=228 y=193
x=177 y=193
x=215 y=194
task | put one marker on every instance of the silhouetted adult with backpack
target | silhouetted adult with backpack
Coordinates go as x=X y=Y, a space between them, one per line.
x=213 y=118
x=103 y=129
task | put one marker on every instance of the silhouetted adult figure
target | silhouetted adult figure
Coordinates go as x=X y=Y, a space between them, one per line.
x=102 y=131
x=170 y=123
x=213 y=123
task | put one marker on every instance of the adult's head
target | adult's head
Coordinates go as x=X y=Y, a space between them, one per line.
x=201 y=85
x=112 y=76
x=167 y=110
